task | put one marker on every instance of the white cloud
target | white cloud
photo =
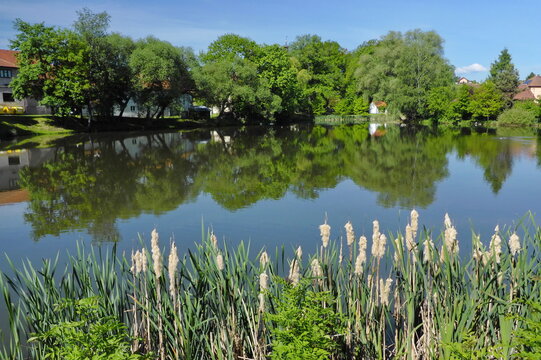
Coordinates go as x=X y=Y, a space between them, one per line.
x=473 y=68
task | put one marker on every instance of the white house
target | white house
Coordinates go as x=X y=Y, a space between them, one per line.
x=378 y=107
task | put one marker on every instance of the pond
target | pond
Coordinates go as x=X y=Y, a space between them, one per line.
x=268 y=186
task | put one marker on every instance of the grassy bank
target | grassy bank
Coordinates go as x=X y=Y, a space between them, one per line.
x=28 y=125
x=401 y=296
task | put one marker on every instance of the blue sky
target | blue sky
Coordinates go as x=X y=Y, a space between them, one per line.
x=474 y=31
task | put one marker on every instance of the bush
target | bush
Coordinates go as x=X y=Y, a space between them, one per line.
x=517 y=117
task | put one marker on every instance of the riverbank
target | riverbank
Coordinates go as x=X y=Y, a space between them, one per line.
x=35 y=125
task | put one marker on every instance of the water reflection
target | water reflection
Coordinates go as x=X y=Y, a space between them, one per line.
x=92 y=184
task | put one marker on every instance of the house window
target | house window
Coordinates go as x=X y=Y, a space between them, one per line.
x=132 y=108
x=14 y=160
x=8 y=97
x=5 y=73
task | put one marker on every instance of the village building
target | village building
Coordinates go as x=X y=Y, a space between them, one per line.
x=530 y=89
x=8 y=104
x=463 y=80
x=378 y=107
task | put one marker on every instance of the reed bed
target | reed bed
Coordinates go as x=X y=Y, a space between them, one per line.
x=397 y=296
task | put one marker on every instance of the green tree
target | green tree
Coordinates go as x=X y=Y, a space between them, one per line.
x=160 y=75
x=109 y=72
x=233 y=85
x=229 y=46
x=531 y=75
x=486 y=102
x=504 y=75
x=320 y=69
x=402 y=69
x=52 y=67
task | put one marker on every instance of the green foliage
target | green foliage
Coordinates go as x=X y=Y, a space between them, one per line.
x=89 y=335
x=230 y=46
x=518 y=116
x=306 y=324
x=402 y=69
x=504 y=75
x=530 y=105
x=160 y=75
x=486 y=102
x=528 y=336
x=52 y=67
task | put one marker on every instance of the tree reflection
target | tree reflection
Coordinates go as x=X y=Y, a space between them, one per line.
x=92 y=184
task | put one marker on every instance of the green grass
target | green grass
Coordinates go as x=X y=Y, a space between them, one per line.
x=21 y=125
x=418 y=300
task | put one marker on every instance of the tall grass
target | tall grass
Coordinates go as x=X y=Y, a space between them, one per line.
x=402 y=296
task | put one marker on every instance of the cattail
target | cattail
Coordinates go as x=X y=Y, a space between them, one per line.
x=325 y=232
x=385 y=290
x=451 y=242
x=133 y=262
x=410 y=242
x=298 y=253
x=496 y=245
x=220 y=261
x=156 y=254
x=428 y=249
x=361 y=258
x=214 y=240
x=263 y=281
x=375 y=238
x=514 y=244
x=144 y=260
x=317 y=271
x=340 y=257
x=447 y=221
x=263 y=259
x=172 y=268
x=414 y=222
x=294 y=272
x=350 y=234
x=378 y=246
x=477 y=251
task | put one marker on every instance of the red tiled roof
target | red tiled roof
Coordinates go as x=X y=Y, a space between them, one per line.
x=526 y=94
x=380 y=103
x=535 y=81
x=8 y=59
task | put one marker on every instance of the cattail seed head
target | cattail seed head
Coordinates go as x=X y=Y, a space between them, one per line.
x=447 y=221
x=298 y=253
x=325 y=232
x=378 y=246
x=385 y=290
x=317 y=271
x=220 y=261
x=263 y=281
x=172 y=268
x=214 y=240
x=410 y=242
x=350 y=234
x=361 y=258
x=514 y=244
x=133 y=262
x=414 y=222
x=451 y=242
x=156 y=254
x=263 y=259
x=144 y=260
x=496 y=245
x=294 y=272
x=428 y=250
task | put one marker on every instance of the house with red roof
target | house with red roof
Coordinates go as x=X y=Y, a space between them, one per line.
x=8 y=104
x=530 y=89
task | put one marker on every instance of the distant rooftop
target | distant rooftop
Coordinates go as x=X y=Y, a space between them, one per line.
x=8 y=59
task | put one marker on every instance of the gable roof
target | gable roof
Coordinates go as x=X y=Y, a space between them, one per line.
x=526 y=94
x=8 y=59
x=380 y=103
x=534 y=82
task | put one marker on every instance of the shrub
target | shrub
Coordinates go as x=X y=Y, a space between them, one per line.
x=517 y=117
x=306 y=324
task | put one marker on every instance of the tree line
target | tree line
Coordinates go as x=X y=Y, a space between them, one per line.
x=87 y=68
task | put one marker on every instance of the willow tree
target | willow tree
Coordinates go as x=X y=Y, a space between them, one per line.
x=402 y=69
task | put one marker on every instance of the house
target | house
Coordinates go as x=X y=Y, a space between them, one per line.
x=530 y=89
x=8 y=104
x=180 y=107
x=463 y=80
x=378 y=107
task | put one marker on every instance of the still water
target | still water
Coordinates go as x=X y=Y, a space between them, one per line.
x=270 y=187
